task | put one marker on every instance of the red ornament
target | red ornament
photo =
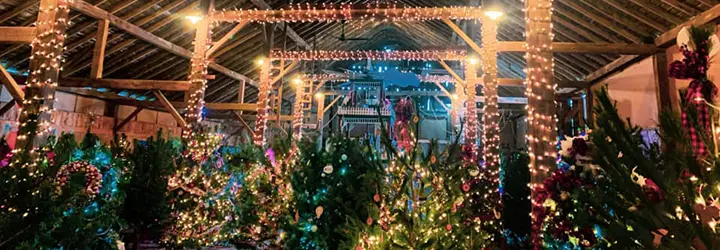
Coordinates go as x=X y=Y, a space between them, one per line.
x=466 y=187
x=448 y=227
x=369 y=221
x=359 y=248
x=376 y=198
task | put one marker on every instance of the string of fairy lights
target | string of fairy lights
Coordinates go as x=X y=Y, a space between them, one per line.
x=198 y=78
x=540 y=91
x=380 y=55
x=373 y=11
x=263 y=101
x=46 y=63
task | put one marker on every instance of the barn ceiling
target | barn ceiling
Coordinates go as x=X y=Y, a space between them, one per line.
x=611 y=21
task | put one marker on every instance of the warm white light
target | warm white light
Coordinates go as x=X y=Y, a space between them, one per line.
x=260 y=61
x=194 y=19
x=455 y=96
x=473 y=61
x=297 y=81
x=319 y=96
x=494 y=14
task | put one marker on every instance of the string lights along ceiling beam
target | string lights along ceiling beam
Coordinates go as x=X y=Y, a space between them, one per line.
x=334 y=13
x=333 y=55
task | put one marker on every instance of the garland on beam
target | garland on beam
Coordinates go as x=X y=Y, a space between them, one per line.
x=335 y=55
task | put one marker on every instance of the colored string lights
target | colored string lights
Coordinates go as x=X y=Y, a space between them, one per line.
x=334 y=55
x=332 y=12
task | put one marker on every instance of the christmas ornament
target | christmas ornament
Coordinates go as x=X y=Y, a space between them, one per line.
x=466 y=187
x=448 y=227
x=343 y=157
x=369 y=221
x=474 y=171
x=319 y=211
x=314 y=228
x=376 y=198
x=328 y=169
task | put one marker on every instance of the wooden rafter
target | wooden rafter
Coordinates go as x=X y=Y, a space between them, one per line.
x=148 y=37
x=11 y=85
x=98 y=61
x=7 y=107
x=224 y=39
x=127 y=119
x=291 y=33
x=134 y=84
x=22 y=35
x=586 y=48
x=169 y=108
x=668 y=38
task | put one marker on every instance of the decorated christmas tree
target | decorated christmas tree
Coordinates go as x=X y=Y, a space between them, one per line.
x=69 y=199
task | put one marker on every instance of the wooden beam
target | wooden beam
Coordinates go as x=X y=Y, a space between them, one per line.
x=7 y=107
x=284 y=71
x=22 y=35
x=451 y=72
x=239 y=116
x=463 y=35
x=140 y=33
x=667 y=39
x=232 y=106
x=127 y=119
x=290 y=32
x=135 y=84
x=96 y=71
x=664 y=89
x=11 y=85
x=586 y=48
x=337 y=98
x=170 y=109
x=618 y=65
x=227 y=37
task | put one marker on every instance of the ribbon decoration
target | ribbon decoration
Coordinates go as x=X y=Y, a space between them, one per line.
x=700 y=91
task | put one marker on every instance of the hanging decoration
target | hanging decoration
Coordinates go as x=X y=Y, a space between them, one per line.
x=93 y=177
x=404 y=111
x=695 y=47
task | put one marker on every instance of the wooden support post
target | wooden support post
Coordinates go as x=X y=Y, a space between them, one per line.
x=542 y=133
x=491 y=117
x=96 y=71
x=471 y=119
x=9 y=82
x=664 y=89
x=241 y=92
x=320 y=119
x=36 y=117
x=332 y=103
x=127 y=119
x=198 y=74
x=263 y=103
x=589 y=108
x=298 y=112
x=170 y=109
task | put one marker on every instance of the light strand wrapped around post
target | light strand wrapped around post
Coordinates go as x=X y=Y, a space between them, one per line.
x=263 y=102
x=198 y=77
x=542 y=133
x=541 y=127
x=471 y=118
x=491 y=117
x=45 y=66
x=298 y=112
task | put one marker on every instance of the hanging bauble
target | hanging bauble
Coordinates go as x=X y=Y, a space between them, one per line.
x=448 y=227
x=359 y=248
x=466 y=187
x=314 y=228
x=376 y=198
x=297 y=216
x=433 y=159
x=369 y=221
x=416 y=119
x=343 y=157
x=474 y=171
x=319 y=211
x=328 y=169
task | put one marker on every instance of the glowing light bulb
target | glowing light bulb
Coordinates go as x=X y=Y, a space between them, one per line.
x=194 y=19
x=494 y=14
